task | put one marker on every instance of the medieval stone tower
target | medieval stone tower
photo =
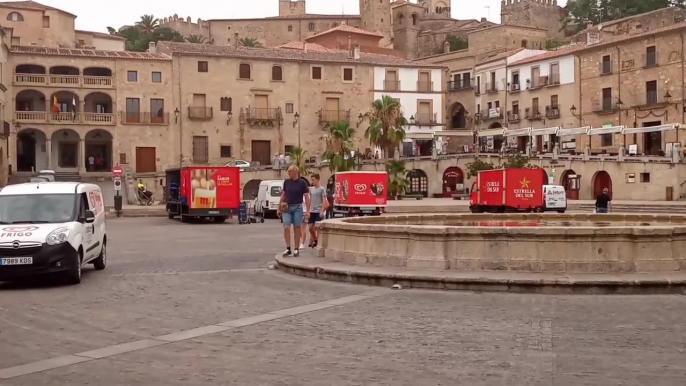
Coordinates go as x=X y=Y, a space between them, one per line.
x=376 y=17
x=406 y=27
x=544 y=14
x=291 y=8
x=436 y=6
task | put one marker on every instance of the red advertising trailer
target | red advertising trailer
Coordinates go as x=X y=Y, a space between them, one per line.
x=360 y=193
x=203 y=192
x=510 y=190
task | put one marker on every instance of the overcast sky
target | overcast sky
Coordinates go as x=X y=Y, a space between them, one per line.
x=97 y=15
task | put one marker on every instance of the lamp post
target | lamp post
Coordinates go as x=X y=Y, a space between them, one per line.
x=176 y=115
x=229 y=115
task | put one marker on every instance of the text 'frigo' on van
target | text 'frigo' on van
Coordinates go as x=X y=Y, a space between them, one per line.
x=51 y=228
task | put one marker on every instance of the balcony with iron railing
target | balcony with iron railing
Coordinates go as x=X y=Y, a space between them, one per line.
x=605 y=105
x=64 y=118
x=425 y=86
x=649 y=59
x=200 y=112
x=533 y=114
x=605 y=67
x=459 y=85
x=331 y=116
x=391 y=85
x=426 y=119
x=139 y=118
x=652 y=99
x=552 y=111
x=538 y=82
x=491 y=87
x=261 y=114
x=513 y=116
x=57 y=80
x=494 y=113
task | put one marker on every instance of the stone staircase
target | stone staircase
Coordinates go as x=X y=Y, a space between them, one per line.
x=67 y=176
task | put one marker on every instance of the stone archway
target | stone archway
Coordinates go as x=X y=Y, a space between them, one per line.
x=458 y=116
x=32 y=151
x=601 y=180
x=453 y=181
x=572 y=184
x=251 y=189
x=66 y=152
x=419 y=183
x=99 y=146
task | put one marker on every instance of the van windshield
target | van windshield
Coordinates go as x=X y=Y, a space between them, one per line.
x=36 y=208
x=275 y=191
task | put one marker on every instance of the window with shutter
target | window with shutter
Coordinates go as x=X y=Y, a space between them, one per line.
x=244 y=71
x=226 y=104
x=277 y=73
x=200 y=151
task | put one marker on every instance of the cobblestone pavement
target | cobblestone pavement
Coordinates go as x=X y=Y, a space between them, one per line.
x=232 y=322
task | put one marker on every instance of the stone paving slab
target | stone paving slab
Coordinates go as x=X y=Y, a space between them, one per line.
x=314 y=267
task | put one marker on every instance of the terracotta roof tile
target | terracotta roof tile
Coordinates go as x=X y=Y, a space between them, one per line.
x=300 y=46
x=347 y=28
x=82 y=53
x=31 y=5
x=296 y=17
x=562 y=51
x=101 y=35
x=332 y=56
x=500 y=56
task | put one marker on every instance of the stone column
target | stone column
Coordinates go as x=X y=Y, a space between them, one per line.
x=82 y=155
x=48 y=152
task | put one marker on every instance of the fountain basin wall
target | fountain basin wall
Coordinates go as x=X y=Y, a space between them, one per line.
x=554 y=243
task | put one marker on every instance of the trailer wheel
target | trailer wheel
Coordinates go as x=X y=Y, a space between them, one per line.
x=219 y=220
x=561 y=211
x=539 y=209
x=475 y=209
x=185 y=219
x=170 y=215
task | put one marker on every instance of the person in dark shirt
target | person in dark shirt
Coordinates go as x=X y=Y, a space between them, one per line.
x=295 y=190
x=602 y=202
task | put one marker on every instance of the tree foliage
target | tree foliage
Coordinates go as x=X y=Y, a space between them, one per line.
x=249 y=42
x=398 y=178
x=456 y=44
x=387 y=125
x=580 y=12
x=297 y=156
x=198 y=39
x=339 y=144
x=148 y=29
x=552 y=44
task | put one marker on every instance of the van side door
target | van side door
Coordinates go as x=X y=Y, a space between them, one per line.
x=87 y=230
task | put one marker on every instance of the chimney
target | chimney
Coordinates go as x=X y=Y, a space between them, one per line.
x=446 y=47
x=356 y=51
x=483 y=20
x=305 y=47
x=235 y=40
x=152 y=48
x=589 y=24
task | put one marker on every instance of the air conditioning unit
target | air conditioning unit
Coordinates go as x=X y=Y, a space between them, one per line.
x=515 y=87
x=515 y=116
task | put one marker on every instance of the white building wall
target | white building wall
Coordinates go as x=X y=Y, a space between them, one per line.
x=108 y=44
x=566 y=69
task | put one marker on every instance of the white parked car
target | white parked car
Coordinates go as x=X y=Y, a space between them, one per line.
x=51 y=228
x=241 y=164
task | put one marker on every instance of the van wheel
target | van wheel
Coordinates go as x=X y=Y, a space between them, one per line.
x=561 y=211
x=101 y=262
x=539 y=210
x=73 y=275
x=185 y=218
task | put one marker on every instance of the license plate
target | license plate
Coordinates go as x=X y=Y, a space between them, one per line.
x=16 y=261
x=214 y=212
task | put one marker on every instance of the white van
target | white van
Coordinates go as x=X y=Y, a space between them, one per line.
x=555 y=198
x=51 y=227
x=268 y=197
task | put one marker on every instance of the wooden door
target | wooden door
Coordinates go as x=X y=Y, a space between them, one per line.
x=133 y=110
x=602 y=181
x=199 y=100
x=424 y=83
x=424 y=113
x=146 y=160
x=200 y=149
x=391 y=82
x=332 y=109
x=535 y=77
x=262 y=106
x=261 y=151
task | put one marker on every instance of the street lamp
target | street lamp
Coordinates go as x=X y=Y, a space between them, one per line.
x=573 y=110
x=477 y=117
x=620 y=104
x=412 y=120
x=296 y=119
x=229 y=115
x=176 y=115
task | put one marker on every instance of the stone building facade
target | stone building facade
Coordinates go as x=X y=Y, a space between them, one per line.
x=543 y=14
x=645 y=73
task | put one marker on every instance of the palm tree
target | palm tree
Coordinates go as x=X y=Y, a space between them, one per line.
x=398 y=180
x=148 y=24
x=339 y=143
x=387 y=125
x=193 y=38
x=249 y=42
x=297 y=156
